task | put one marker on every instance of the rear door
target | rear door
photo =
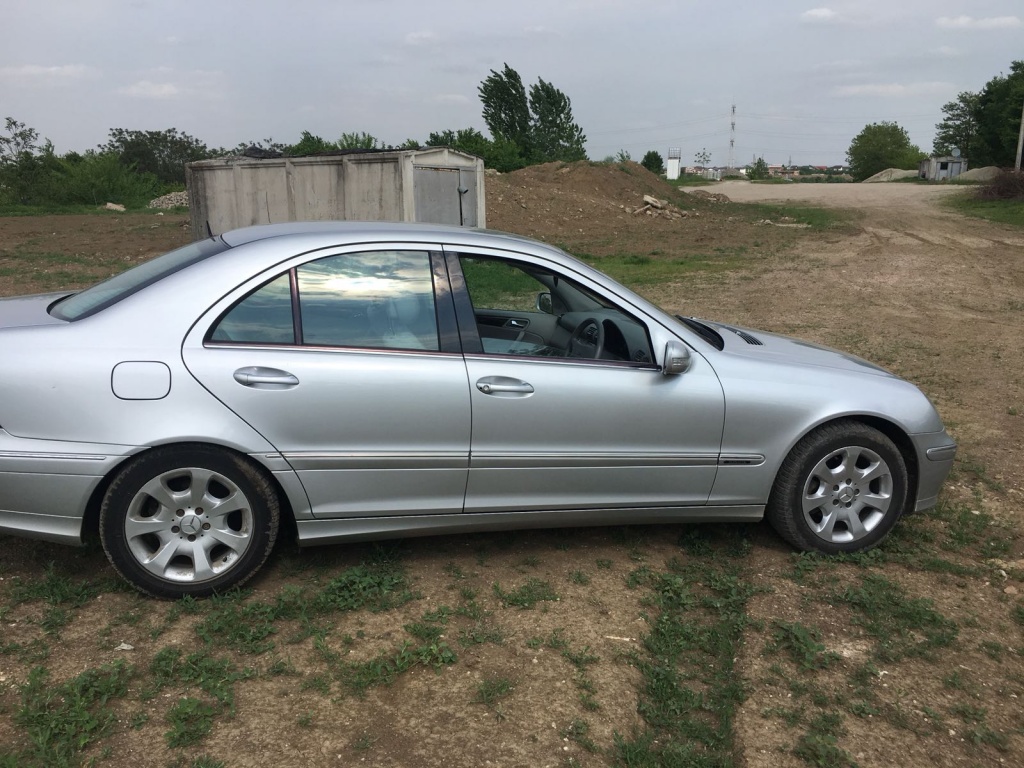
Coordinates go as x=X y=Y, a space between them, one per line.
x=348 y=363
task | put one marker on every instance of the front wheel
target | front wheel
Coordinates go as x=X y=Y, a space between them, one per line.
x=188 y=521
x=841 y=489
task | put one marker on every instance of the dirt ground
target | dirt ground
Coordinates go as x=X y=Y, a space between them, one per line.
x=933 y=296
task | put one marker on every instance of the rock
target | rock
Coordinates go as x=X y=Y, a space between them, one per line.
x=114 y=207
x=171 y=200
x=654 y=202
x=1010 y=590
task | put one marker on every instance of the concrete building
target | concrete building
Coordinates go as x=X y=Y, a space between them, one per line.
x=675 y=155
x=436 y=185
x=940 y=168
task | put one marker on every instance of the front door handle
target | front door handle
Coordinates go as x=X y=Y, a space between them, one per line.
x=504 y=386
x=258 y=377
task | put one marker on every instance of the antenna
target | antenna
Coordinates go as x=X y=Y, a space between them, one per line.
x=732 y=137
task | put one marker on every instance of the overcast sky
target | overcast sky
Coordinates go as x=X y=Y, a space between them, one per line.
x=805 y=78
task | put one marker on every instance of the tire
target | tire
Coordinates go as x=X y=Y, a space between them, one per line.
x=841 y=489
x=188 y=520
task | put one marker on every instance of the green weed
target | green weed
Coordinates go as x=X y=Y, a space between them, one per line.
x=528 y=595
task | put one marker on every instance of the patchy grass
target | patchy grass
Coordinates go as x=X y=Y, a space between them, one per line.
x=1002 y=211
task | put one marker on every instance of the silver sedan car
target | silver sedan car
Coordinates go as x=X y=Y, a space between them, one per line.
x=371 y=380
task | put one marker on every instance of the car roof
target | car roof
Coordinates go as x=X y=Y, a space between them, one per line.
x=332 y=231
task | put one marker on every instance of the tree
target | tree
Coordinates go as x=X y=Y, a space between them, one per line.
x=959 y=127
x=20 y=139
x=623 y=156
x=499 y=154
x=506 y=110
x=759 y=170
x=998 y=116
x=553 y=133
x=540 y=128
x=161 y=153
x=879 y=146
x=702 y=158
x=652 y=162
x=359 y=140
x=310 y=144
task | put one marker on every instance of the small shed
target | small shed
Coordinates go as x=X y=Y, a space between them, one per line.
x=937 y=168
x=436 y=185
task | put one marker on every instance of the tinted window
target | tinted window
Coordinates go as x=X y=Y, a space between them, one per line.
x=377 y=299
x=109 y=292
x=262 y=317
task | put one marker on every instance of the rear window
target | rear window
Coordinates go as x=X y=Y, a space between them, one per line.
x=109 y=292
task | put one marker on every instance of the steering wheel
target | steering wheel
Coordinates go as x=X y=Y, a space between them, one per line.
x=587 y=339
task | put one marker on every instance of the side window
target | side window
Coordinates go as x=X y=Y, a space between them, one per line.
x=377 y=299
x=527 y=310
x=262 y=317
x=495 y=284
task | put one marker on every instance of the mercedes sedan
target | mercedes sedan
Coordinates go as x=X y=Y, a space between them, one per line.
x=371 y=380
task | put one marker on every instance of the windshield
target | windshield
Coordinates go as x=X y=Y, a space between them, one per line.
x=109 y=292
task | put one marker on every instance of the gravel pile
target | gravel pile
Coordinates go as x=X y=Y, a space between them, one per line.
x=172 y=200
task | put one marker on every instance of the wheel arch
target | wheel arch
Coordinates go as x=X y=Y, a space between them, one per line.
x=899 y=438
x=91 y=518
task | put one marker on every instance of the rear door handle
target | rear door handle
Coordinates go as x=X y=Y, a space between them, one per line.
x=504 y=386
x=258 y=377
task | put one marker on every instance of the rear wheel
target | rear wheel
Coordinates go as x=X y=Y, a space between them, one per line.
x=188 y=521
x=841 y=489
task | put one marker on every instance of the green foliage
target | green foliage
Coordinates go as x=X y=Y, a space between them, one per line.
x=359 y=140
x=652 y=162
x=879 y=146
x=191 y=721
x=802 y=644
x=758 y=171
x=998 y=116
x=310 y=144
x=490 y=690
x=20 y=140
x=528 y=595
x=500 y=154
x=160 y=153
x=506 y=110
x=902 y=626
x=540 y=128
x=959 y=127
x=553 y=133
x=61 y=720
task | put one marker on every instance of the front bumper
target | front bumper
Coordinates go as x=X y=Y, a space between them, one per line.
x=935 y=454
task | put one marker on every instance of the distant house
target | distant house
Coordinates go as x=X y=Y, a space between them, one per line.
x=938 y=168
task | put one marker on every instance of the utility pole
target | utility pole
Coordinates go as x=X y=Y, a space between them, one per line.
x=1020 y=138
x=732 y=138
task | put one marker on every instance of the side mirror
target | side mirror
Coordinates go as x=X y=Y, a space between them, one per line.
x=677 y=358
x=544 y=303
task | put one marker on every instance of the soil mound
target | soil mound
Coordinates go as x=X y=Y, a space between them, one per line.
x=553 y=200
x=986 y=173
x=889 y=174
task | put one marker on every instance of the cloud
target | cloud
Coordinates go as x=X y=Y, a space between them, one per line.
x=820 y=15
x=422 y=37
x=147 y=89
x=968 y=22
x=35 y=76
x=894 y=89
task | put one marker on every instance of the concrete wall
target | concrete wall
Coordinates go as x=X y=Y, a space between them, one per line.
x=228 y=193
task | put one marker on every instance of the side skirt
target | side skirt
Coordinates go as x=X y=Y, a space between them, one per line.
x=314 y=532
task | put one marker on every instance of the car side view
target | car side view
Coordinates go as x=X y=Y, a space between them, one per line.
x=373 y=380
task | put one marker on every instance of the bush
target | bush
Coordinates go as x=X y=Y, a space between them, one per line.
x=1008 y=185
x=101 y=178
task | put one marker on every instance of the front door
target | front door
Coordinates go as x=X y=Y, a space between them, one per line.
x=570 y=408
